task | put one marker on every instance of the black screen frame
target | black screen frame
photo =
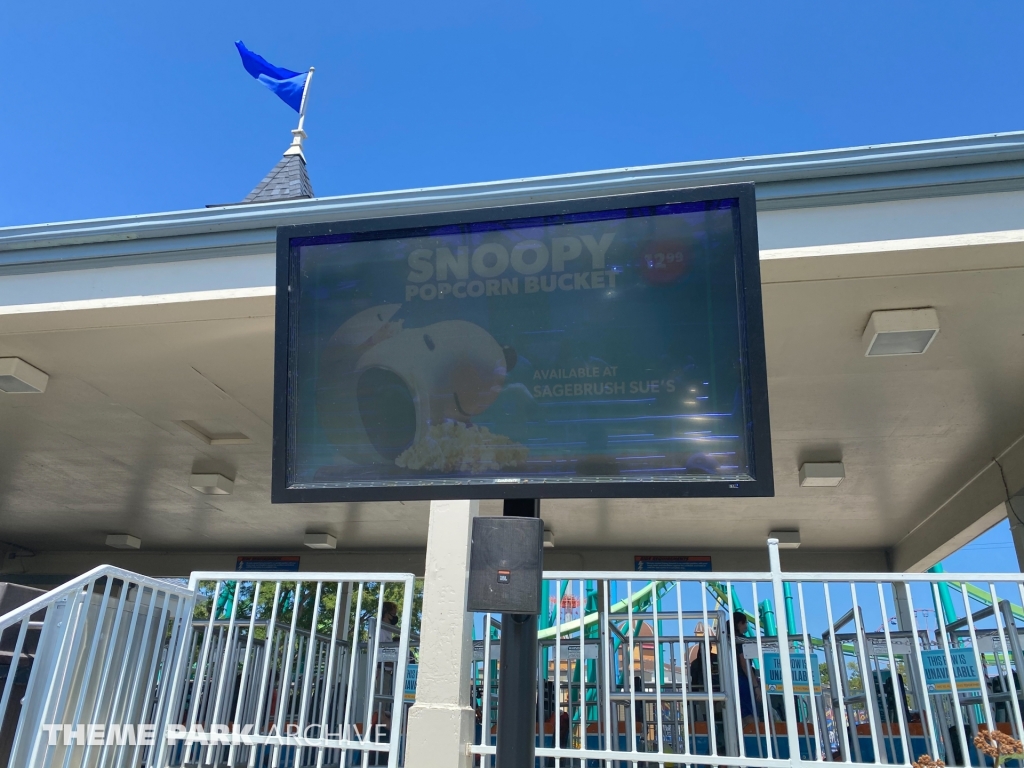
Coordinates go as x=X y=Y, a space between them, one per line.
x=753 y=350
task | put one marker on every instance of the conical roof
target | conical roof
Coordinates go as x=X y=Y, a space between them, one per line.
x=288 y=180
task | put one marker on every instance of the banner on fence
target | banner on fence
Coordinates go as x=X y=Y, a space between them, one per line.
x=798 y=663
x=936 y=671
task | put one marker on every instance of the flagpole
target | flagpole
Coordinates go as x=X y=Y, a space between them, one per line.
x=298 y=134
x=305 y=95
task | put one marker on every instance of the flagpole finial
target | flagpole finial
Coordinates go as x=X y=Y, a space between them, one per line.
x=295 y=148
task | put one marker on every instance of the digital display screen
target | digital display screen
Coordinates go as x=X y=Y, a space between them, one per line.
x=587 y=352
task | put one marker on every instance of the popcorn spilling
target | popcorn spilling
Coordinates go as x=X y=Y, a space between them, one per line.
x=456 y=447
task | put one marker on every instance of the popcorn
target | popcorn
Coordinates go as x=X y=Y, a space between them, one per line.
x=453 y=446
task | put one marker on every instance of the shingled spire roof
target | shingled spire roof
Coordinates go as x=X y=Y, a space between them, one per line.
x=288 y=180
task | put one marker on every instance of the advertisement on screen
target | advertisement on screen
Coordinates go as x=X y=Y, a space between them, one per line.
x=574 y=354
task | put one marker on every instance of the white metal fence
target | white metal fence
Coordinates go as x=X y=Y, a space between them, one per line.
x=86 y=658
x=653 y=669
x=291 y=670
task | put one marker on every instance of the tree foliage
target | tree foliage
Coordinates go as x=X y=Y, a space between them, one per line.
x=298 y=600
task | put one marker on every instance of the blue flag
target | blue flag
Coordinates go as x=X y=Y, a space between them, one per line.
x=288 y=85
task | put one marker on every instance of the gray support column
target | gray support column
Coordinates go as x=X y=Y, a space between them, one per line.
x=1015 y=514
x=441 y=721
x=899 y=597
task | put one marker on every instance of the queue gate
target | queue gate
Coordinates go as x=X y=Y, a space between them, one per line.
x=878 y=714
x=928 y=694
x=812 y=718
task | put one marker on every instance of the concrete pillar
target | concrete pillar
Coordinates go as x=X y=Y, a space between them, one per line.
x=441 y=722
x=1015 y=514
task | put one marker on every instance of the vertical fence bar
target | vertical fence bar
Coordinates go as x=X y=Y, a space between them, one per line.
x=262 y=693
x=926 y=704
x=93 y=648
x=307 y=678
x=485 y=698
x=186 y=609
x=181 y=637
x=371 y=689
x=787 y=672
x=1007 y=651
x=684 y=666
x=284 y=699
x=843 y=721
x=658 y=667
x=105 y=669
x=583 y=664
x=229 y=637
x=398 y=688
x=867 y=677
x=118 y=690
x=733 y=647
x=603 y=619
x=810 y=661
x=354 y=647
x=557 y=730
x=329 y=677
x=708 y=678
x=769 y=739
x=154 y=662
x=631 y=715
x=76 y=617
x=12 y=671
x=946 y=641
x=897 y=688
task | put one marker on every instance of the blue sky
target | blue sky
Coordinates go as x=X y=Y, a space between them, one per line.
x=117 y=107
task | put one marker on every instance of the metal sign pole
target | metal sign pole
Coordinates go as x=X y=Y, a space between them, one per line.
x=517 y=680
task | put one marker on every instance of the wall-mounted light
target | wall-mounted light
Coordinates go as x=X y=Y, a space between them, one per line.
x=822 y=475
x=900 y=332
x=549 y=540
x=212 y=484
x=18 y=377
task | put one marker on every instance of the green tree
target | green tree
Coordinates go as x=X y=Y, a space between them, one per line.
x=289 y=598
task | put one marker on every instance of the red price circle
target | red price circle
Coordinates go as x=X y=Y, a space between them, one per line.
x=663 y=261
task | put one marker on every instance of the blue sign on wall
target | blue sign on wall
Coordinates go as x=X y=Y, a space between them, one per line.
x=698 y=563
x=284 y=563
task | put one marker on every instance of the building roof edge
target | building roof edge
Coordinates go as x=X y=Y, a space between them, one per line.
x=964 y=165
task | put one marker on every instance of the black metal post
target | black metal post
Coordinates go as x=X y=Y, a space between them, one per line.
x=517 y=679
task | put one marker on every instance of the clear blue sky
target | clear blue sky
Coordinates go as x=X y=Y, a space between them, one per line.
x=118 y=106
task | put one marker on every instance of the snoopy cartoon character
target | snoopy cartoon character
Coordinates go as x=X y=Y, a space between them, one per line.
x=382 y=386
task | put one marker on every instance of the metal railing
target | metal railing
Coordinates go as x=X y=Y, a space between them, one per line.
x=766 y=669
x=82 y=661
x=291 y=670
x=687 y=668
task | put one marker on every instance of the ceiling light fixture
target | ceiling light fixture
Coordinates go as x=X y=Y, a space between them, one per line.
x=212 y=484
x=822 y=475
x=123 y=541
x=787 y=539
x=18 y=377
x=213 y=436
x=900 y=332
x=320 y=541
